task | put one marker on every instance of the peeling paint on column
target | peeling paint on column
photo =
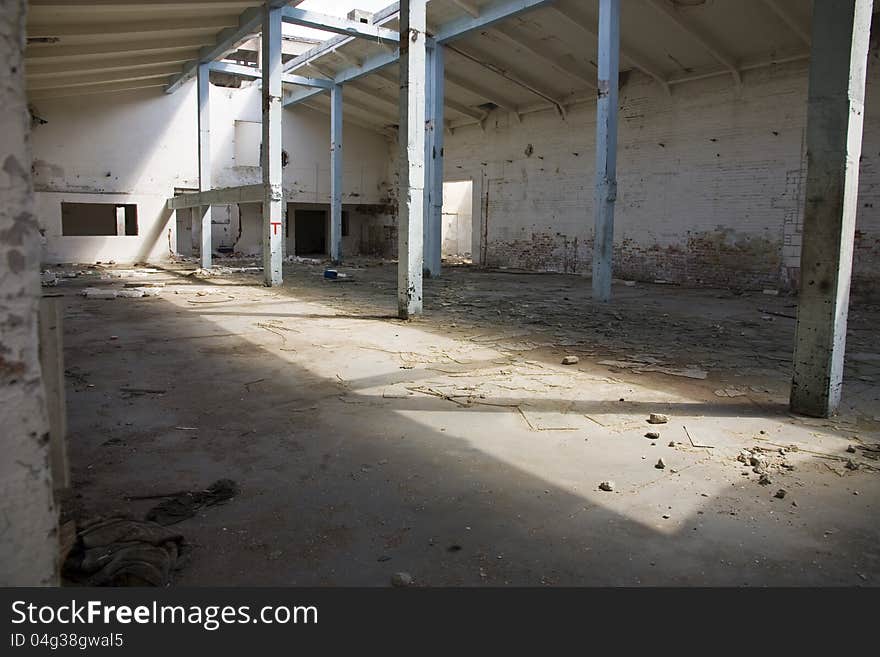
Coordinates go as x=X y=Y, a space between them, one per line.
x=28 y=519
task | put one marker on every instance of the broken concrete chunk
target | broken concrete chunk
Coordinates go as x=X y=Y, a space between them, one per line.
x=653 y=435
x=852 y=465
x=658 y=418
x=607 y=486
x=757 y=461
x=401 y=580
x=98 y=293
x=851 y=449
x=780 y=494
x=571 y=360
x=144 y=284
x=730 y=392
x=765 y=480
x=661 y=464
x=130 y=293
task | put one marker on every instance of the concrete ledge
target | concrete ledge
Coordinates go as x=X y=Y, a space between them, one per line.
x=222 y=196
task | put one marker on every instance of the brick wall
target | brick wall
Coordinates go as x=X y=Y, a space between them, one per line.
x=710 y=183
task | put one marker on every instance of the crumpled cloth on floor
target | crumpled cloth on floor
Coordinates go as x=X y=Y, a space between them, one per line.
x=124 y=552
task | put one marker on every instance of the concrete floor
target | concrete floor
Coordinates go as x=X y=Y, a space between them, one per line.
x=456 y=447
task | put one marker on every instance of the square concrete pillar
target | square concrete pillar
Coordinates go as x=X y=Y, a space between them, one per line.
x=835 y=117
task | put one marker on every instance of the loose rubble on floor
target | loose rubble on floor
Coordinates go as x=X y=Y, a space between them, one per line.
x=532 y=350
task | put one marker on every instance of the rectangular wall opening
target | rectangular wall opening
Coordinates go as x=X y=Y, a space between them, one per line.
x=248 y=141
x=457 y=219
x=98 y=219
x=310 y=232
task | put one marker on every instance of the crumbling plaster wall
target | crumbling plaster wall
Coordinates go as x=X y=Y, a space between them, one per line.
x=28 y=521
x=138 y=146
x=131 y=147
x=710 y=183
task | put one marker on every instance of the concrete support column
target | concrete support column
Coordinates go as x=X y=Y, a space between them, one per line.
x=434 y=142
x=606 y=147
x=204 y=213
x=835 y=117
x=29 y=544
x=336 y=173
x=412 y=157
x=273 y=200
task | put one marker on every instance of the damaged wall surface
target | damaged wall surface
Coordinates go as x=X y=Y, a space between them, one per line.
x=29 y=523
x=710 y=183
x=139 y=146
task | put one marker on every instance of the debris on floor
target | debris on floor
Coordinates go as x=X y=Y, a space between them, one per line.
x=180 y=506
x=99 y=293
x=401 y=580
x=124 y=293
x=123 y=552
x=357 y=436
x=652 y=365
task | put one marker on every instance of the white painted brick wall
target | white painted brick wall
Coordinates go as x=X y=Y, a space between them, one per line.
x=710 y=182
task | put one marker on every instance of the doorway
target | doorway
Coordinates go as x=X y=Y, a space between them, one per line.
x=457 y=232
x=310 y=232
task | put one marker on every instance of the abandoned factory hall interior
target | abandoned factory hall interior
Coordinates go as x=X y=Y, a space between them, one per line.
x=440 y=293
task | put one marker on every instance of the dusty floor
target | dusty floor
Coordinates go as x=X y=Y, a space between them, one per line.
x=456 y=447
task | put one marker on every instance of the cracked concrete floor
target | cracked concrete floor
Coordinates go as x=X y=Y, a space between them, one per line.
x=456 y=447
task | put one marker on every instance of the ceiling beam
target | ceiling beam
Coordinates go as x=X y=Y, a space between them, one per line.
x=626 y=52
x=92 y=89
x=36 y=71
x=549 y=96
x=370 y=65
x=253 y=73
x=381 y=17
x=451 y=103
x=783 y=14
x=69 y=80
x=388 y=116
x=538 y=53
x=161 y=27
x=249 y=23
x=479 y=91
x=137 y=5
x=455 y=29
x=365 y=120
x=50 y=52
x=326 y=23
x=723 y=58
x=489 y=15
x=469 y=6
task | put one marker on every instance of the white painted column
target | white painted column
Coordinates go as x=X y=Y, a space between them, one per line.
x=434 y=153
x=204 y=213
x=412 y=157
x=606 y=147
x=336 y=173
x=835 y=117
x=120 y=220
x=427 y=247
x=29 y=543
x=273 y=201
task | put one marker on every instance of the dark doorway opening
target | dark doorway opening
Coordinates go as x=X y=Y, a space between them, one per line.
x=310 y=232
